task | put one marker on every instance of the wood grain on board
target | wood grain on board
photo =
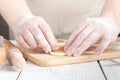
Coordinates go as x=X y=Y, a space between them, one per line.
x=43 y=59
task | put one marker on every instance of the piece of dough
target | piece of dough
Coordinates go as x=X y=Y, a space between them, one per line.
x=59 y=52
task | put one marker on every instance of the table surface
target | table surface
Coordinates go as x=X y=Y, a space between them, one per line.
x=96 y=70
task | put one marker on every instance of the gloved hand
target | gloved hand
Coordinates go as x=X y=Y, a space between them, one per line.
x=89 y=32
x=35 y=31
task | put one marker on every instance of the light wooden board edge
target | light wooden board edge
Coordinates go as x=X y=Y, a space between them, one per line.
x=62 y=60
x=52 y=60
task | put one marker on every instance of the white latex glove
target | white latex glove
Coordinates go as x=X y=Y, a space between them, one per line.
x=35 y=31
x=89 y=32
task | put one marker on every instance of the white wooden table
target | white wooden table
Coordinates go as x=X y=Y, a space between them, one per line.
x=97 y=70
x=102 y=70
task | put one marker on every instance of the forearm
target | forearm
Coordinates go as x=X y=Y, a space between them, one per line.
x=112 y=7
x=13 y=11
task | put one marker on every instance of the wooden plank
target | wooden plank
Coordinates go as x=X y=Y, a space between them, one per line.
x=111 y=69
x=8 y=72
x=43 y=59
x=83 y=71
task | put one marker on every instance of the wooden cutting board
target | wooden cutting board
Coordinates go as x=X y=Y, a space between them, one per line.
x=42 y=59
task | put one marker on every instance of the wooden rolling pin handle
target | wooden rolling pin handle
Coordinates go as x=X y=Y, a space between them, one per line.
x=15 y=58
x=14 y=55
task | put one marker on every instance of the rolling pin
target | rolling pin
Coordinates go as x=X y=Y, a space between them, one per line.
x=14 y=55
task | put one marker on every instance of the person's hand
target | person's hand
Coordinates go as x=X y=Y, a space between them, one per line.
x=35 y=31
x=89 y=32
